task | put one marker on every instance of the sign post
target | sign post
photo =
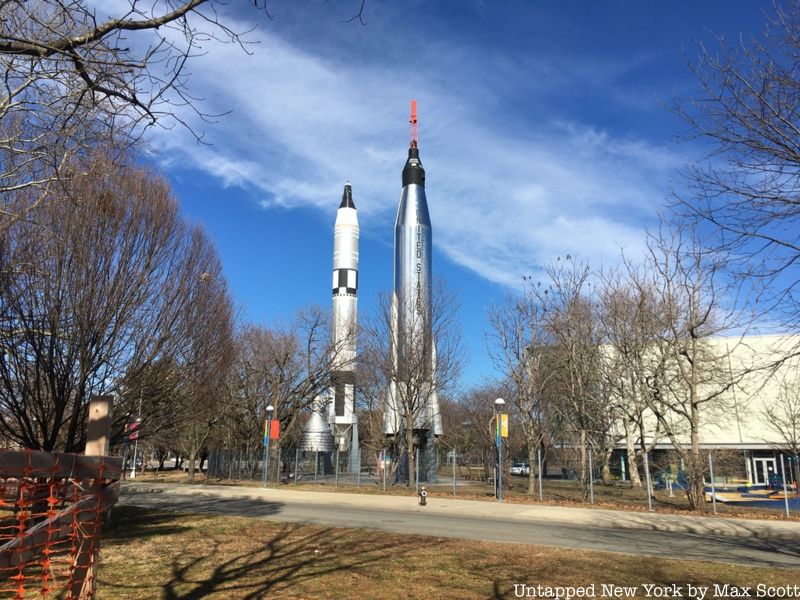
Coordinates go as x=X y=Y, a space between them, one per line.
x=711 y=477
x=133 y=436
x=501 y=431
x=267 y=436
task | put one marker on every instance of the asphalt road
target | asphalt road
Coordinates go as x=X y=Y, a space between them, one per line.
x=686 y=546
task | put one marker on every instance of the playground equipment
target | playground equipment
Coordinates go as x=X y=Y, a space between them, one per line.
x=758 y=496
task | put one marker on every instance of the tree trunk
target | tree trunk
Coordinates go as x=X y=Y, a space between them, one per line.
x=410 y=451
x=696 y=480
x=696 y=470
x=607 y=464
x=274 y=451
x=544 y=458
x=203 y=457
x=532 y=487
x=584 y=479
x=196 y=443
x=192 y=456
x=633 y=461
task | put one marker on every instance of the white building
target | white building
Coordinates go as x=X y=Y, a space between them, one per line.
x=737 y=420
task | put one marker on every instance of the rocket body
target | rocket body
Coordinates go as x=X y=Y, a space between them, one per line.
x=333 y=420
x=413 y=346
x=345 y=309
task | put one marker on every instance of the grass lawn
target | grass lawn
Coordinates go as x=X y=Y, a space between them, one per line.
x=153 y=554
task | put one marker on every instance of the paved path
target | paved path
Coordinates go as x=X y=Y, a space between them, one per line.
x=752 y=542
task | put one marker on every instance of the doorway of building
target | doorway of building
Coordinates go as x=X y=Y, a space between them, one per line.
x=763 y=469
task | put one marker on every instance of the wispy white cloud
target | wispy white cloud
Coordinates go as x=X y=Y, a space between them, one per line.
x=503 y=199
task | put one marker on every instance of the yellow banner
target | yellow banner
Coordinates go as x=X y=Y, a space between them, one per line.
x=504 y=426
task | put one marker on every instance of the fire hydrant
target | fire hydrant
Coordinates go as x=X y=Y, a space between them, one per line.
x=423 y=495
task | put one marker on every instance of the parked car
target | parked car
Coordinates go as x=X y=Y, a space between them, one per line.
x=520 y=469
x=129 y=464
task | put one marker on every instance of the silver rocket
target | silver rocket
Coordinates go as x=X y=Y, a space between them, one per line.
x=412 y=344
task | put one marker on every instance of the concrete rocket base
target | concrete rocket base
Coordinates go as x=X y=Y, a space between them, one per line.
x=324 y=462
x=428 y=471
x=354 y=457
x=425 y=444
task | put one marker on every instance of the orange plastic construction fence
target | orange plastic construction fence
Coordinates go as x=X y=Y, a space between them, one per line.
x=51 y=511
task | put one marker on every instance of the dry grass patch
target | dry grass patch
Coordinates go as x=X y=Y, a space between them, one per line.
x=153 y=554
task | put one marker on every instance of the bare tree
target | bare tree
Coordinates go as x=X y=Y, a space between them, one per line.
x=92 y=300
x=748 y=111
x=206 y=323
x=146 y=396
x=283 y=366
x=783 y=418
x=522 y=348
x=477 y=427
x=370 y=389
x=571 y=324
x=80 y=75
x=694 y=382
x=76 y=78
x=420 y=361
x=631 y=319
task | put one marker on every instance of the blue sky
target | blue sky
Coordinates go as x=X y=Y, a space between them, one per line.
x=544 y=131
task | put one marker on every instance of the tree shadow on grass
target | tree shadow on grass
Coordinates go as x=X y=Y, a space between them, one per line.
x=756 y=550
x=287 y=558
x=125 y=523
x=240 y=565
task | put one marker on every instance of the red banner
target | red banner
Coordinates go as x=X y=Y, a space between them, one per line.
x=275 y=430
x=132 y=427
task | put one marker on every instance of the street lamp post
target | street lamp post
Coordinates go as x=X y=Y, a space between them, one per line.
x=498 y=413
x=125 y=446
x=267 y=431
x=137 y=423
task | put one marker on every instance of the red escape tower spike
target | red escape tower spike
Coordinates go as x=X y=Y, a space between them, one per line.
x=414 y=131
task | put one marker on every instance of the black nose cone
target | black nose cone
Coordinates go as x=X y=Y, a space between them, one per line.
x=413 y=171
x=347 y=197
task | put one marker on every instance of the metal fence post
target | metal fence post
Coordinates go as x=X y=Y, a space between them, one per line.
x=591 y=477
x=358 y=480
x=416 y=471
x=785 y=493
x=454 y=471
x=336 y=469
x=383 y=465
x=713 y=489
x=499 y=469
x=296 y=460
x=316 y=464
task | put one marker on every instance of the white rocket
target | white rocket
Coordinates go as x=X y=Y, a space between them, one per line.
x=334 y=410
x=345 y=309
